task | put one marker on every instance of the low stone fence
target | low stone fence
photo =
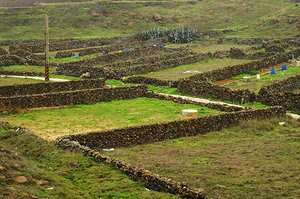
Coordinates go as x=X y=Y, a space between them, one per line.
x=20 y=73
x=124 y=55
x=38 y=46
x=231 y=71
x=151 y=81
x=108 y=72
x=168 y=130
x=110 y=48
x=181 y=100
x=209 y=90
x=71 y=97
x=39 y=88
x=278 y=94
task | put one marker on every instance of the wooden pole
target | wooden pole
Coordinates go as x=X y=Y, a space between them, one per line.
x=47 y=72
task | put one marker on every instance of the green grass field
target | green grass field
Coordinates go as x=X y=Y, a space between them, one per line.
x=24 y=154
x=268 y=18
x=236 y=162
x=255 y=84
x=194 y=68
x=54 y=122
x=7 y=81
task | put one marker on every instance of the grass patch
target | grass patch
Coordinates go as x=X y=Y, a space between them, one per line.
x=159 y=89
x=255 y=84
x=51 y=123
x=237 y=162
x=188 y=70
x=249 y=73
x=7 y=81
x=27 y=68
x=23 y=154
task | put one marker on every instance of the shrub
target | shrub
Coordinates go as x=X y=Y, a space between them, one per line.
x=277 y=41
x=182 y=34
x=252 y=72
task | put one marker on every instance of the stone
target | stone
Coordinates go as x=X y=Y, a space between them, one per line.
x=21 y=179
x=64 y=173
x=94 y=14
x=43 y=182
x=157 y=17
x=72 y=164
x=2 y=168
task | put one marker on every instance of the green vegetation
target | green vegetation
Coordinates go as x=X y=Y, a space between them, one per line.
x=159 y=89
x=188 y=70
x=54 y=122
x=255 y=84
x=237 y=162
x=7 y=81
x=249 y=73
x=268 y=18
x=66 y=174
x=27 y=68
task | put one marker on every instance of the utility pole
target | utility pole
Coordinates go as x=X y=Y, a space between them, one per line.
x=47 y=72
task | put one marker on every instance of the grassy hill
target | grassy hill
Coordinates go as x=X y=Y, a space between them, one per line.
x=268 y=18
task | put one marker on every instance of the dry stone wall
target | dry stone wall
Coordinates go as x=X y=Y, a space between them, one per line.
x=151 y=81
x=209 y=90
x=231 y=71
x=71 y=97
x=168 y=130
x=278 y=94
x=20 y=73
x=39 y=88
x=110 y=48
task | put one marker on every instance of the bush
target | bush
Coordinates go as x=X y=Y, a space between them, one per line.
x=277 y=41
x=252 y=72
x=182 y=34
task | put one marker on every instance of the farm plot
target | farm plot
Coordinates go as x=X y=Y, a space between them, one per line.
x=255 y=84
x=52 y=123
x=205 y=47
x=188 y=70
x=237 y=162
x=6 y=81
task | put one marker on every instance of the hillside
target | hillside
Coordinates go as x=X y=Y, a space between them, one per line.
x=269 y=18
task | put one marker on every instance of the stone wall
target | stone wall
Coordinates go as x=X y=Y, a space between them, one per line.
x=110 y=48
x=151 y=81
x=71 y=97
x=231 y=71
x=168 y=130
x=118 y=72
x=38 y=46
x=179 y=99
x=278 y=94
x=209 y=90
x=20 y=73
x=30 y=89
x=152 y=181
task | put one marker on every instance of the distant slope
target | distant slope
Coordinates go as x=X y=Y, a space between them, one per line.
x=256 y=18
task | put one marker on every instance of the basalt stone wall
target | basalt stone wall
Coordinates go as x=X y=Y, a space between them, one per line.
x=278 y=94
x=231 y=71
x=179 y=99
x=38 y=46
x=71 y=97
x=8 y=60
x=168 y=130
x=29 y=89
x=108 y=72
x=125 y=55
x=151 y=81
x=151 y=180
x=208 y=90
x=3 y=52
x=20 y=73
x=110 y=48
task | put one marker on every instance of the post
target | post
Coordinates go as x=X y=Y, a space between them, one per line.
x=47 y=72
